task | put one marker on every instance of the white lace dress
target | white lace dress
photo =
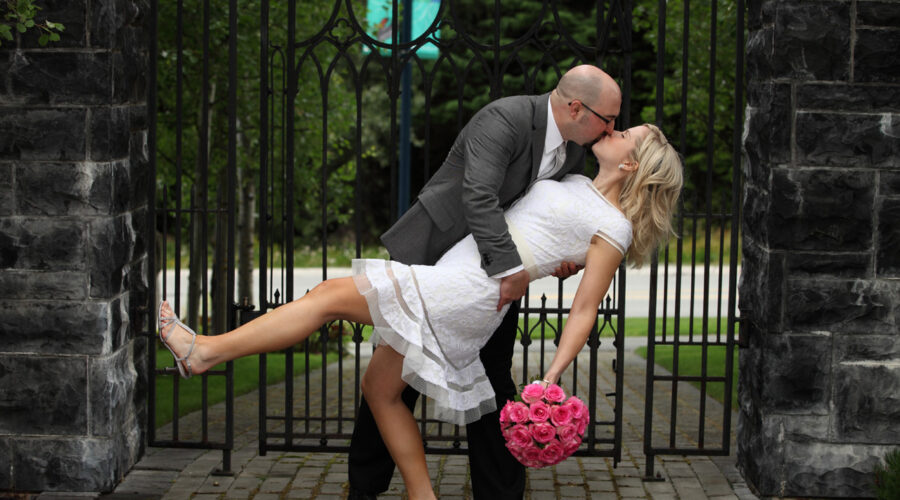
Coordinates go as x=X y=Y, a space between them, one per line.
x=439 y=317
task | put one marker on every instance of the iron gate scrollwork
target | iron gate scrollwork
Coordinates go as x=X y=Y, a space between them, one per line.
x=347 y=120
x=339 y=60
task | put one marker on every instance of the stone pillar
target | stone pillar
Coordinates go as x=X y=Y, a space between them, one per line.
x=820 y=285
x=74 y=176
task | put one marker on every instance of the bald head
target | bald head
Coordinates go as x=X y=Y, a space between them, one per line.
x=590 y=84
x=585 y=104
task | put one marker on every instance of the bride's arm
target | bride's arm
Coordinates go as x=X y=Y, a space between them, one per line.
x=601 y=263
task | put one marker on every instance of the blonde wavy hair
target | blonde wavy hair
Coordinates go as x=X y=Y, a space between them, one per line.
x=650 y=194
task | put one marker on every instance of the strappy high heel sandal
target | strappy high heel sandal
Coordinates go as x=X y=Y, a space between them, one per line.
x=183 y=363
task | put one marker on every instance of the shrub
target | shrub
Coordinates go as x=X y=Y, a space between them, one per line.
x=887 y=477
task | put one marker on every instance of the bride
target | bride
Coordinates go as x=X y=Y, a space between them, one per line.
x=430 y=322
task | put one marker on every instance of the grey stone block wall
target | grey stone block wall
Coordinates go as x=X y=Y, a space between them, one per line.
x=74 y=173
x=820 y=283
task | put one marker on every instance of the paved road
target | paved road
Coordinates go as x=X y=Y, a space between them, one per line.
x=637 y=289
x=167 y=473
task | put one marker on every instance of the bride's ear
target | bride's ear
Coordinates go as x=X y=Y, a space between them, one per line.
x=629 y=166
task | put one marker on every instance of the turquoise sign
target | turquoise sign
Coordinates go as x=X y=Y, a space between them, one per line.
x=380 y=27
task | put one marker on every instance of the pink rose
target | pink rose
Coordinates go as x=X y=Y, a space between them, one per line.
x=580 y=411
x=552 y=453
x=520 y=436
x=559 y=415
x=518 y=412
x=504 y=414
x=581 y=426
x=542 y=433
x=577 y=406
x=540 y=412
x=584 y=408
x=571 y=446
x=531 y=453
x=567 y=432
x=554 y=393
x=532 y=393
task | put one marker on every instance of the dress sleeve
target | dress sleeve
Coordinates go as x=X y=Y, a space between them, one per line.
x=617 y=232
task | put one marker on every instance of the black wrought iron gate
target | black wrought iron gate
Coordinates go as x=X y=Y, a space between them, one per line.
x=465 y=54
x=682 y=418
x=334 y=117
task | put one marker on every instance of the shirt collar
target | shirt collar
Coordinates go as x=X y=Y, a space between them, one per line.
x=553 y=138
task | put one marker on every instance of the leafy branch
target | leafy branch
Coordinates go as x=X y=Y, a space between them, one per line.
x=19 y=15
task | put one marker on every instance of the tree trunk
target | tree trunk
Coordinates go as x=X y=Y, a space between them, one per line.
x=246 y=229
x=195 y=267
x=220 y=299
x=198 y=248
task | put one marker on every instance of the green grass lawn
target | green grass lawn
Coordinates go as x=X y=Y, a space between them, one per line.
x=246 y=379
x=634 y=327
x=246 y=370
x=690 y=363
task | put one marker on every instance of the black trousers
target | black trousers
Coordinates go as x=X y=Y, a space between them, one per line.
x=495 y=473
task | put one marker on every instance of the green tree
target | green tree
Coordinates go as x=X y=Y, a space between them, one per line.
x=17 y=16
x=694 y=35
x=538 y=46
x=322 y=110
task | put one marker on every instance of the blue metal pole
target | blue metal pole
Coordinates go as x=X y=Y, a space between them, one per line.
x=403 y=175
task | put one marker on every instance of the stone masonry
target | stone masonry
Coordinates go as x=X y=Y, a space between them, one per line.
x=74 y=176
x=820 y=290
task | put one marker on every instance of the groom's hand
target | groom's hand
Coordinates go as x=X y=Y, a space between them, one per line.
x=512 y=288
x=566 y=269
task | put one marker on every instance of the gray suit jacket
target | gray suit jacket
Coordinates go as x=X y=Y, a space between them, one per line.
x=492 y=162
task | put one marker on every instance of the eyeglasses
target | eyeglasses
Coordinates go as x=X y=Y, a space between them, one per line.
x=598 y=115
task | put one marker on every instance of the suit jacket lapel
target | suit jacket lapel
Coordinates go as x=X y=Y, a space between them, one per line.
x=538 y=134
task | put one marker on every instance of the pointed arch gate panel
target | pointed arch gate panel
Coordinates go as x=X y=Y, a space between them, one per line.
x=336 y=121
x=330 y=76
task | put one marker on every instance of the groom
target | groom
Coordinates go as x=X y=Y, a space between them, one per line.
x=505 y=147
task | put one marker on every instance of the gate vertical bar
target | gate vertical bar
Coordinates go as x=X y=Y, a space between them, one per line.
x=735 y=217
x=203 y=206
x=619 y=368
x=710 y=151
x=290 y=70
x=232 y=208
x=654 y=262
x=264 y=95
x=651 y=353
x=179 y=142
x=405 y=169
x=151 y=220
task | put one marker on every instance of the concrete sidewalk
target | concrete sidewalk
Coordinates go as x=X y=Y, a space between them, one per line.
x=182 y=473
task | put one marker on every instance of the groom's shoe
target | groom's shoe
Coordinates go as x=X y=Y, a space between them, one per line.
x=355 y=494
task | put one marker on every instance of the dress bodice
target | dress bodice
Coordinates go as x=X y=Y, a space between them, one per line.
x=555 y=221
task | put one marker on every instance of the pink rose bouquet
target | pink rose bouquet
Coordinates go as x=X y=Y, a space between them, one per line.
x=545 y=427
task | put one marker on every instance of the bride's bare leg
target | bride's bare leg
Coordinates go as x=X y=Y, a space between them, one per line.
x=382 y=387
x=276 y=330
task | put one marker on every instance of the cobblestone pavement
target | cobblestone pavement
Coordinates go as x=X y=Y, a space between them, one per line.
x=190 y=473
